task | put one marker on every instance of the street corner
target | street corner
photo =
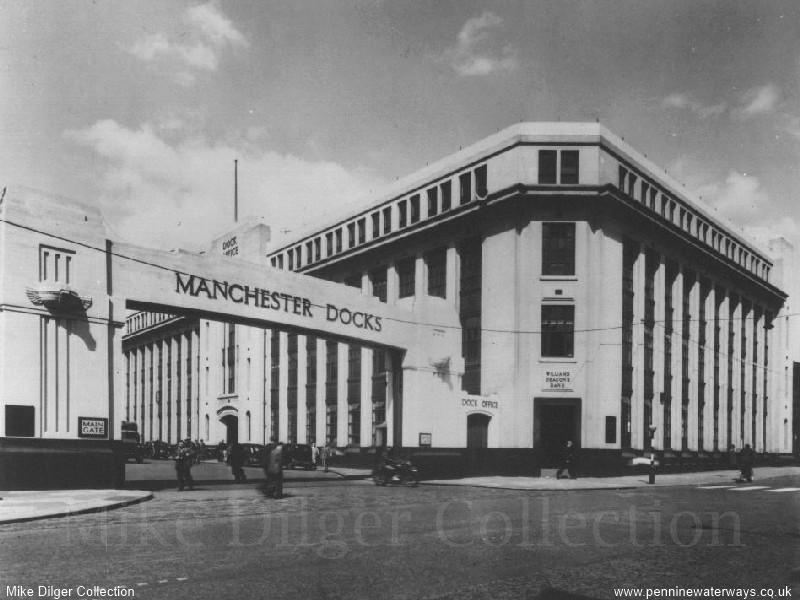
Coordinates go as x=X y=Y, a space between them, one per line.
x=21 y=506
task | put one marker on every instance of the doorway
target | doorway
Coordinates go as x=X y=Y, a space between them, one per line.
x=231 y=423
x=478 y=430
x=555 y=422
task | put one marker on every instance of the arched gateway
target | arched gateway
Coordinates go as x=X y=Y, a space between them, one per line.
x=67 y=289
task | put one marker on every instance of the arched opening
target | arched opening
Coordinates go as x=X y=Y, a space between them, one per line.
x=478 y=430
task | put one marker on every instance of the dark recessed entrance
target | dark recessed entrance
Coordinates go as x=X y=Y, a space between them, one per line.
x=478 y=430
x=555 y=422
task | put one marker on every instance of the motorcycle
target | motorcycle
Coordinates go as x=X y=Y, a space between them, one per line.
x=397 y=471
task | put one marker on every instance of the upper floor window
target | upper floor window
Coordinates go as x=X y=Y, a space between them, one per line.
x=465 y=187
x=55 y=264
x=436 y=261
x=569 y=166
x=309 y=251
x=558 y=330
x=351 y=235
x=298 y=257
x=433 y=202
x=415 y=208
x=547 y=166
x=387 y=219
x=402 y=211
x=338 y=240
x=481 y=183
x=317 y=249
x=558 y=248
x=405 y=275
x=376 y=225
x=362 y=231
x=445 y=189
x=290 y=256
x=378 y=280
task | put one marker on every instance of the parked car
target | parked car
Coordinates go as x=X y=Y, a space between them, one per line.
x=253 y=454
x=130 y=441
x=298 y=456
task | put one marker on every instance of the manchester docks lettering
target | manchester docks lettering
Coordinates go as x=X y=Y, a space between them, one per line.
x=212 y=289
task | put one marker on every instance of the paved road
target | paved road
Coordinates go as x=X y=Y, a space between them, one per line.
x=350 y=539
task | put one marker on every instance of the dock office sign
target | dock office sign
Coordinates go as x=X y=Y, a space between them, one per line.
x=558 y=380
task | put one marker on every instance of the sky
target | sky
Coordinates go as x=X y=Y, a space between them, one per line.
x=141 y=107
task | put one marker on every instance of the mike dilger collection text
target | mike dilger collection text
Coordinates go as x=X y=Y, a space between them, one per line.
x=80 y=591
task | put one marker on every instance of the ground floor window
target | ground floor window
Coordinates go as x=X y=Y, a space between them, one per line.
x=330 y=425
x=354 y=425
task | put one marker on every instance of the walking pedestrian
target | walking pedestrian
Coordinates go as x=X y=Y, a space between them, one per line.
x=273 y=470
x=183 y=465
x=746 y=459
x=568 y=462
x=237 y=463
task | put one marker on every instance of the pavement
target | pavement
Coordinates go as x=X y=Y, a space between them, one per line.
x=18 y=506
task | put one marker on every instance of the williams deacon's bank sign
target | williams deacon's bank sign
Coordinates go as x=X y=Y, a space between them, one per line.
x=212 y=289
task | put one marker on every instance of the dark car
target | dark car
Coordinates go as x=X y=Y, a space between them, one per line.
x=298 y=456
x=253 y=455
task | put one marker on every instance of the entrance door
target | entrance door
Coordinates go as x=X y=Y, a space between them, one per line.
x=556 y=423
x=478 y=430
x=231 y=429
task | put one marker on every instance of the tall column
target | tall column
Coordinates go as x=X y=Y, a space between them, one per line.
x=758 y=368
x=195 y=428
x=390 y=399
x=706 y=411
x=452 y=275
x=320 y=400
x=735 y=382
x=366 y=396
x=266 y=399
x=657 y=414
x=677 y=356
x=638 y=437
x=341 y=396
x=724 y=312
x=420 y=279
x=392 y=284
x=283 y=417
x=746 y=414
x=302 y=362
x=690 y=410
x=179 y=419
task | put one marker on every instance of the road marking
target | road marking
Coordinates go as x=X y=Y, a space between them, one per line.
x=749 y=488
x=789 y=489
x=182 y=578
x=715 y=487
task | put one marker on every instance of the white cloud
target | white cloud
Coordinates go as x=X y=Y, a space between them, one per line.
x=214 y=25
x=760 y=100
x=684 y=101
x=200 y=47
x=169 y=194
x=477 y=53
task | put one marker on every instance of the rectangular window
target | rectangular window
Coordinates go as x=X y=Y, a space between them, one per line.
x=309 y=251
x=20 y=420
x=436 y=261
x=329 y=244
x=547 y=166
x=338 y=240
x=351 y=235
x=481 y=183
x=445 y=189
x=362 y=231
x=465 y=188
x=622 y=177
x=317 y=249
x=402 y=213
x=558 y=330
x=298 y=256
x=558 y=248
x=378 y=280
x=290 y=256
x=387 y=220
x=415 y=208
x=433 y=202
x=405 y=274
x=376 y=225
x=569 y=166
